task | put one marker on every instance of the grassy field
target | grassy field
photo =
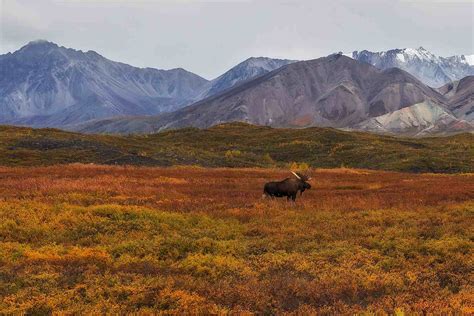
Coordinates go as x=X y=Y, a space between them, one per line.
x=240 y=145
x=109 y=239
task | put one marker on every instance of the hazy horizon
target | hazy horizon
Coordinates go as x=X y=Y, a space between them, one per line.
x=208 y=38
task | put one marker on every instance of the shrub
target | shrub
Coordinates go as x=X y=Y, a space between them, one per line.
x=298 y=166
x=232 y=154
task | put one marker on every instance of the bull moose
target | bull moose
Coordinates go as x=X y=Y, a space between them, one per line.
x=288 y=187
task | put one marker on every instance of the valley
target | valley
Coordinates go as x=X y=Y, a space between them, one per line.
x=228 y=157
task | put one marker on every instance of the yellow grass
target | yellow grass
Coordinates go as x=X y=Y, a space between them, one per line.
x=102 y=239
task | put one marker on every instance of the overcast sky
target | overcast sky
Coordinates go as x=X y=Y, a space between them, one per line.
x=208 y=37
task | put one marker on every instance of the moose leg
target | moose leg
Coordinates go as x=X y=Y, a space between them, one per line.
x=293 y=197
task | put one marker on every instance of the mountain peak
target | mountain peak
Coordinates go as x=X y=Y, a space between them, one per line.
x=40 y=43
x=265 y=63
x=254 y=59
x=419 y=52
x=250 y=68
x=36 y=48
x=257 y=58
x=36 y=52
x=433 y=70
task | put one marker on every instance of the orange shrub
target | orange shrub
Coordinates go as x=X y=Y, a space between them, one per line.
x=94 y=239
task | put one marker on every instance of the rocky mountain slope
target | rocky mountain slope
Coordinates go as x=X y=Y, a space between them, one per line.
x=460 y=95
x=334 y=91
x=246 y=70
x=421 y=119
x=433 y=70
x=44 y=84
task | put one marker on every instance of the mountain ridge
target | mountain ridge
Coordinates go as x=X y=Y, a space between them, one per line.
x=334 y=91
x=248 y=69
x=45 y=79
x=44 y=84
x=434 y=71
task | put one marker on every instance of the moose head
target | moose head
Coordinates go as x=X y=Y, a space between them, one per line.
x=304 y=185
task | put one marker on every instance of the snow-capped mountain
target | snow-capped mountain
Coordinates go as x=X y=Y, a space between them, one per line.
x=433 y=70
x=44 y=84
x=246 y=70
x=417 y=120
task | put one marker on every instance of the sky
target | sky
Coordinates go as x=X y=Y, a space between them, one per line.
x=209 y=37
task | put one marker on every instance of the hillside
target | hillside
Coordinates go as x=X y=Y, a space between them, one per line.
x=239 y=145
x=421 y=119
x=461 y=98
x=334 y=91
x=250 y=68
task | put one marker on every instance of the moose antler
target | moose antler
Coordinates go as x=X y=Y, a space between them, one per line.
x=296 y=175
x=304 y=177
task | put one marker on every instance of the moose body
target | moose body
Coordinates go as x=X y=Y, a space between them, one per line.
x=288 y=187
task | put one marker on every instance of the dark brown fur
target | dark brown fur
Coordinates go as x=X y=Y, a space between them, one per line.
x=288 y=187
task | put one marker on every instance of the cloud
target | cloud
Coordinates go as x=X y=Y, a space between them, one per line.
x=208 y=37
x=19 y=23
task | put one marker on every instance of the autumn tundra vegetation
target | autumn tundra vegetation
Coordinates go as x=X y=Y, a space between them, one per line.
x=175 y=222
x=95 y=239
x=240 y=145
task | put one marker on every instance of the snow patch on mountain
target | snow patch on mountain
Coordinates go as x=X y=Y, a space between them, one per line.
x=401 y=57
x=246 y=70
x=469 y=59
x=433 y=70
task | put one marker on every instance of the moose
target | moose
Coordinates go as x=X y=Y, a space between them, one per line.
x=288 y=187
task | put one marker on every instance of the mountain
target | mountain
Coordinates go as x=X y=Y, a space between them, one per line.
x=432 y=70
x=44 y=84
x=461 y=97
x=428 y=118
x=246 y=70
x=417 y=120
x=333 y=91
